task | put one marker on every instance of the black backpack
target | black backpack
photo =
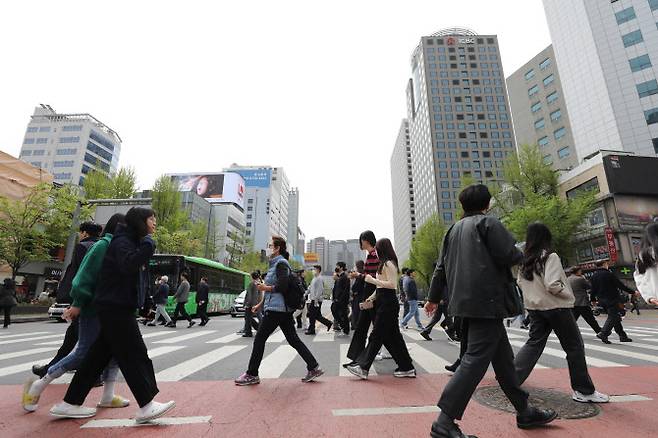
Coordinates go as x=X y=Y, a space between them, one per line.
x=294 y=296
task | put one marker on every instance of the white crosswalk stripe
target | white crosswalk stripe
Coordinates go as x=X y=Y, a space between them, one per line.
x=193 y=334
x=276 y=337
x=323 y=336
x=191 y=366
x=156 y=334
x=429 y=361
x=19 y=368
x=225 y=339
x=35 y=338
x=649 y=329
x=23 y=335
x=591 y=361
x=413 y=334
x=6 y=356
x=618 y=352
x=275 y=363
x=343 y=359
x=50 y=343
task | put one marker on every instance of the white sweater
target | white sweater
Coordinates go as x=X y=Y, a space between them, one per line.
x=549 y=290
x=387 y=279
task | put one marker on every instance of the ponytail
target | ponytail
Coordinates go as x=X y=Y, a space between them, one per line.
x=280 y=242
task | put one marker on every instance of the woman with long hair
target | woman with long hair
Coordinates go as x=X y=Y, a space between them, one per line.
x=121 y=290
x=549 y=301
x=386 y=330
x=277 y=314
x=646 y=266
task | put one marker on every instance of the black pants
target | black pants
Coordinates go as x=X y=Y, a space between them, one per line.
x=70 y=339
x=360 y=335
x=268 y=324
x=447 y=323
x=386 y=331
x=487 y=343
x=180 y=310
x=250 y=321
x=339 y=311
x=315 y=314
x=613 y=322
x=356 y=310
x=7 y=311
x=588 y=316
x=562 y=322
x=202 y=312
x=119 y=338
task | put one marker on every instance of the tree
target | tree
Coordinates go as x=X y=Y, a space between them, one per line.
x=239 y=245
x=252 y=261
x=425 y=248
x=121 y=185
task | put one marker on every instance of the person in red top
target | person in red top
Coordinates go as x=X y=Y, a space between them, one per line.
x=367 y=243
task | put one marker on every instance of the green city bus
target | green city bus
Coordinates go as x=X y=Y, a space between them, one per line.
x=225 y=283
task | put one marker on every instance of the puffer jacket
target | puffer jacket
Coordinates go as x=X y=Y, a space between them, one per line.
x=277 y=276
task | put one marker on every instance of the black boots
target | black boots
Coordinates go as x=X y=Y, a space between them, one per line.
x=534 y=417
x=445 y=427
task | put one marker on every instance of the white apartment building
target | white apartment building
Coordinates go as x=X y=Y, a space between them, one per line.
x=404 y=211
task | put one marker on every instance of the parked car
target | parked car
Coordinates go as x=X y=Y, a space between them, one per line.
x=237 y=309
x=57 y=310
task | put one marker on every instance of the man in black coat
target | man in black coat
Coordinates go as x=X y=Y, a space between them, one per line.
x=475 y=263
x=202 y=301
x=89 y=233
x=606 y=290
x=340 y=297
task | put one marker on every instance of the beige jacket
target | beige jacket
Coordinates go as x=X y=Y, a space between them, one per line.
x=387 y=279
x=548 y=291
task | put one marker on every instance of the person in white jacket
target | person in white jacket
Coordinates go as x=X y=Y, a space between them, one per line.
x=646 y=266
x=314 y=302
x=549 y=300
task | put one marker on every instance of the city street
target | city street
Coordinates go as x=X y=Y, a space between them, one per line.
x=196 y=367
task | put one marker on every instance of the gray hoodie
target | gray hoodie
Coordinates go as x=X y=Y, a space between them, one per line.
x=183 y=292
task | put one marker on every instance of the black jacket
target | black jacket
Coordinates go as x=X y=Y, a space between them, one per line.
x=64 y=289
x=359 y=289
x=202 y=292
x=121 y=279
x=161 y=294
x=475 y=263
x=606 y=286
x=341 y=291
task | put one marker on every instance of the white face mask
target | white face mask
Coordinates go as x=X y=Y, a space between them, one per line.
x=268 y=252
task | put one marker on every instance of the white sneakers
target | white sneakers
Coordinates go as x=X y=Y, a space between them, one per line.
x=595 y=397
x=65 y=410
x=153 y=410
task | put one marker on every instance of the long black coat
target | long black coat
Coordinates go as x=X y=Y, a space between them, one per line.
x=475 y=263
x=64 y=288
x=606 y=287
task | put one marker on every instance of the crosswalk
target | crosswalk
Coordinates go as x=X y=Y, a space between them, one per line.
x=183 y=354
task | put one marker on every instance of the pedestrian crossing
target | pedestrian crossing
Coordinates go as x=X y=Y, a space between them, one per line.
x=197 y=353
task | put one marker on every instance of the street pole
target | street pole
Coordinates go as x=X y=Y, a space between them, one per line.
x=70 y=243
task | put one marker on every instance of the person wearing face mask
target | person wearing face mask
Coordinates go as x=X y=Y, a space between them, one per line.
x=314 y=302
x=340 y=297
x=277 y=314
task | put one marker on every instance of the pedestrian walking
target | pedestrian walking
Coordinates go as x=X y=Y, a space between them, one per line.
x=386 y=330
x=475 y=263
x=121 y=289
x=277 y=314
x=88 y=234
x=160 y=300
x=411 y=294
x=340 y=298
x=358 y=291
x=550 y=301
x=315 y=293
x=403 y=296
x=202 y=301
x=447 y=324
x=606 y=289
x=301 y=315
x=83 y=313
x=251 y=299
x=646 y=266
x=181 y=296
x=7 y=299
x=582 y=305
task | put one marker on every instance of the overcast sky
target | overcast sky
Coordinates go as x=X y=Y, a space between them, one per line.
x=315 y=87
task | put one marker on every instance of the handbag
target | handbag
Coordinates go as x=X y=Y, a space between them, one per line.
x=513 y=298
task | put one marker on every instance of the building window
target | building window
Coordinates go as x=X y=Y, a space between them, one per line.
x=533 y=90
x=653 y=4
x=559 y=133
x=42 y=140
x=556 y=115
x=625 y=15
x=93 y=147
x=36 y=163
x=101 y=140
x=61 y=176
x=548 y=80
x=563 y=152
x=447 y=217
x=640 y=63
x=654 y=141
x=446 y=205
x=72 y=128
x=545 y=63
x=39 y=152
x=69 y=151
x=32 y=129
x=44 y=129
x=529 y=74
x=28 y=141
x=69 y=139
x=535 y=107
x=630 y=39
x=97 y=162
x=651 y=116
x=548 y=159
x=551 y=97
x=539 y=124
x=67 y=163
x=647 y=88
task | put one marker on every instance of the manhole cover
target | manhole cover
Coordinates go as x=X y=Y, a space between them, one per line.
x=566 y=408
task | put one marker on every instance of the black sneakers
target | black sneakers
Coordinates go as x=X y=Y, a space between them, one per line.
x=535 y=417
x=441 y=431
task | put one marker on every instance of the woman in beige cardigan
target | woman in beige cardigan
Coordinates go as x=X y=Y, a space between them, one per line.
x=549 y=301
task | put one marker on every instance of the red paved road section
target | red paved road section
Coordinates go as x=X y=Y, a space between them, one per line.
x=288 y=408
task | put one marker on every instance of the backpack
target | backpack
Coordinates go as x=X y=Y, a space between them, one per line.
x=294 y=296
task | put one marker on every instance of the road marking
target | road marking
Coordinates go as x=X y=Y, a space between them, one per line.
x=194 y=334
x=385 y=411
x=344 y=348
x=184 y=369
x=129 y=422
x=36 y=338
x=413 y=335
x=276 y=337
x=646 y=357
x=155 y=334
x=15 y=354
x=50 y=343
x=225 y=339
x=591 y=361
x=276 y=362
x=23 y=334
x=323 y=336
x=639 y=332
x=651 y=329
x=18 y=368
x=628 y=398
x=430 y=362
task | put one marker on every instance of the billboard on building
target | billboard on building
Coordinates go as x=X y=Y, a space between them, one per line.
x=255 y=177
x=223 y=188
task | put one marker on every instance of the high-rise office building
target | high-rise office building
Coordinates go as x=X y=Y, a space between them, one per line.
x=404 y=211
x=539 y=110
x=605 y=53
x=69 y=145
x=459 y=119
x=293 y=221
x=320 y=246
x=266 y=212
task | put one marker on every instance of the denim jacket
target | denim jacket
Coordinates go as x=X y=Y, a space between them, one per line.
x=274 y=300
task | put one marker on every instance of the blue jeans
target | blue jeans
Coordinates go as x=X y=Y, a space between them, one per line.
x=89 y=328
x=413 y=312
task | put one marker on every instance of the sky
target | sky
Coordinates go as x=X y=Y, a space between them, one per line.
x=315 y=87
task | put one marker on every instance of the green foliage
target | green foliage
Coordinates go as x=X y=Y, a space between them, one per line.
x=63 y=202
x=121 y=185
x=239 y=245
x=425 y=248
x=251 y=262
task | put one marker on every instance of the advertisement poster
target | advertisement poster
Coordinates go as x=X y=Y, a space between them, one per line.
x=612 y=245
x=225 y=188
x=636 y=212
x=260 y=178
